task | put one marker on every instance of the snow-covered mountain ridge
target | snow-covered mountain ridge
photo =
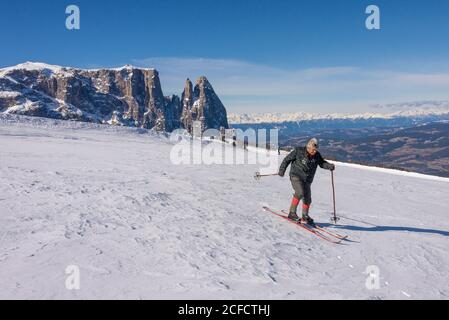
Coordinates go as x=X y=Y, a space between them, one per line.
x=391 y=111
x=56 y=70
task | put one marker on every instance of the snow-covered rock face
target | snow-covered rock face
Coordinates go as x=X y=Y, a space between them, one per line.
x=208 y=105
x=122 y=96
x=35 y=66
x=202 y=104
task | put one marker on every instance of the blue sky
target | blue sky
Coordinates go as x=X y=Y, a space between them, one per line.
x=260 y=55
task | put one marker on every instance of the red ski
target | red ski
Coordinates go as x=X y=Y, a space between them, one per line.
x=333 y=234
x=303 y=226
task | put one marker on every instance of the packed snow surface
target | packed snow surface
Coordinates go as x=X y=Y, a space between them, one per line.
x=109 y=201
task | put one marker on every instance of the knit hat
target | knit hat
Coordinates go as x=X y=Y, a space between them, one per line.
x=313 y=144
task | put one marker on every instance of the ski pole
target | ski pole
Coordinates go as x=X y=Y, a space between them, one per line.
x=334 y=219
x=257 y=175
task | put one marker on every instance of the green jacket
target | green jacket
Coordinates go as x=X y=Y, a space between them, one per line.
x=303 y=165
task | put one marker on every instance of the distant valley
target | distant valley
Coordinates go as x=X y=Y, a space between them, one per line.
x=414 y=140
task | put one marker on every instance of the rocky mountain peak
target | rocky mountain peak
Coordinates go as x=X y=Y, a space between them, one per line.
x=187 y=95
x=187 y=103
x=208 y=107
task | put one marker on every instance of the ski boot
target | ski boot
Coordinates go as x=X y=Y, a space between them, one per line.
x=306 y=219
x=293 y=216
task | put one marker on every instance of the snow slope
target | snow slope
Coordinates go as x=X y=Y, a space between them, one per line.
x=109 y=201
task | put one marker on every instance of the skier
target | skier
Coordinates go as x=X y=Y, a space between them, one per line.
x=304 y=162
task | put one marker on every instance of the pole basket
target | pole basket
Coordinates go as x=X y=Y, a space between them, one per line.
x=335 y=220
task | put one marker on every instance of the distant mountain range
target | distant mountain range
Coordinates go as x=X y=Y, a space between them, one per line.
x=126 y=96
x=419 y=109
x=408 y=136
x=301 y=124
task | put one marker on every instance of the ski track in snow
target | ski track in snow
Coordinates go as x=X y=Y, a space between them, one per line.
x=109 y=201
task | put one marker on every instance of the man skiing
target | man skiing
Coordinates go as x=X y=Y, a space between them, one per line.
x=304 y=162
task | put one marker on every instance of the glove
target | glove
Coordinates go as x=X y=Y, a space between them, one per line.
x=281 y=174
x=332 y=167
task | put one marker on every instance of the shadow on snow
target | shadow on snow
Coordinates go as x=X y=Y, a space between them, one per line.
x=387 y=228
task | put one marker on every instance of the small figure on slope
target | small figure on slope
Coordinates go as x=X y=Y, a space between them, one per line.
x=304 y=162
